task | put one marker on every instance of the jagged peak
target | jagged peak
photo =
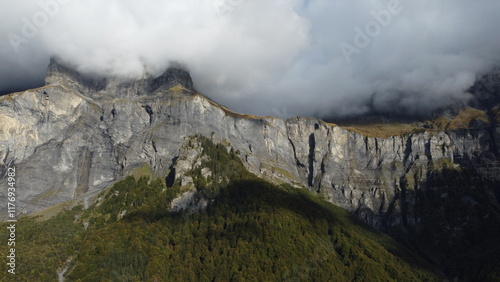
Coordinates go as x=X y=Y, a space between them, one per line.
x=60 y=72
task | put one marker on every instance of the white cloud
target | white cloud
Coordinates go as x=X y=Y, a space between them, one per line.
x=258 y=56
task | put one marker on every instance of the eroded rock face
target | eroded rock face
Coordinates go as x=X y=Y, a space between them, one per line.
x=100 y=87
x=77 y=135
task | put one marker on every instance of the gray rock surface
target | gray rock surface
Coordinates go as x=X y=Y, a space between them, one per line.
x=79 y=134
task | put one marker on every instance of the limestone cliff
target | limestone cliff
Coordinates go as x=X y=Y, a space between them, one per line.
x=80 y=133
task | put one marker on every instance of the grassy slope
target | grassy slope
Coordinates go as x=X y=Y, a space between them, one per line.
x=464 y=119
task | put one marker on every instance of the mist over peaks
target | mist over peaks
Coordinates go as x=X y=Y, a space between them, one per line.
x=321 y=58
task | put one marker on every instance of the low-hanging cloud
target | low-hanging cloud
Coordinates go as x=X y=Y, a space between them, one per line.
x=310 y=57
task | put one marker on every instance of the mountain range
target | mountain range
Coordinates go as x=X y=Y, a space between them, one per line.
x=431 y=184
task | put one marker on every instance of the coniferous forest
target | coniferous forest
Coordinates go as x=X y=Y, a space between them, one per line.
x=251 y=230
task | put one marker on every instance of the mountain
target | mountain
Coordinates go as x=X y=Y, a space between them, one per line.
x=432 y=184
x=250 y=230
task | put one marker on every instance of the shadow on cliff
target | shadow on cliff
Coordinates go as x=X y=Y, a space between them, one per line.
x=265 y=206
x=452 y=219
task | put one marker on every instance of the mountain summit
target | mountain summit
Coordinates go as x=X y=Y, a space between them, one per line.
x=62 y=73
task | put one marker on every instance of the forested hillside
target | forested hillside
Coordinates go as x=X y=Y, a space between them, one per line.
x=250 y=230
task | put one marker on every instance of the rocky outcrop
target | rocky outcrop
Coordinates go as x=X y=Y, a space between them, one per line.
x=79 y=134
x=95 y=86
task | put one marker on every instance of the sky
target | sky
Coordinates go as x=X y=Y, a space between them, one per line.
x=324 y=58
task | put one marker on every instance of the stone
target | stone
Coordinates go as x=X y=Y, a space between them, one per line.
x=80 y=133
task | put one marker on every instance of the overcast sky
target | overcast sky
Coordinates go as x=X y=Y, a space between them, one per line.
x=312 y=57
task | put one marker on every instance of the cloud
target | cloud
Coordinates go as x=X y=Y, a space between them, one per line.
x=315 y=57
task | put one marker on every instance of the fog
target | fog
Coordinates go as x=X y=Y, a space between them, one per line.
x=312 y=58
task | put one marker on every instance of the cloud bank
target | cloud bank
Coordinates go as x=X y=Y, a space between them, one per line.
x=312 y=57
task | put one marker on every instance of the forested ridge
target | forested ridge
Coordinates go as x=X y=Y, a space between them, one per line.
x=250 y=230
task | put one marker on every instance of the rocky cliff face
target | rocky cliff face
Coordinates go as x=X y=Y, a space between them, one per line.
x=79 y=134
x=98 y=87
